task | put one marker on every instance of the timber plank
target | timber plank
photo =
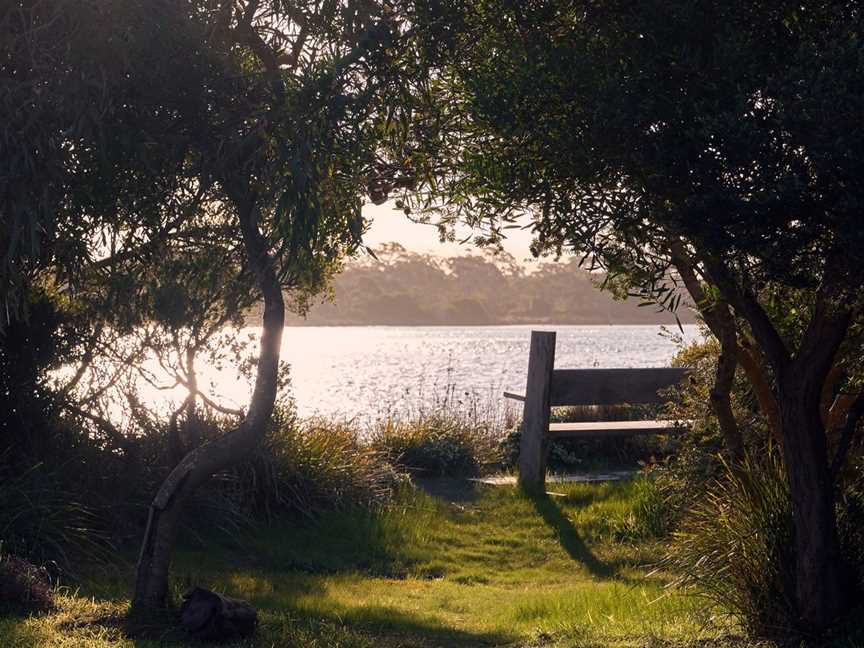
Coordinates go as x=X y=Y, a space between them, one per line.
x=613 y=428
x=612 y=386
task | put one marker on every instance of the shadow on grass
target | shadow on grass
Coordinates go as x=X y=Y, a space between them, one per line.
x=287 y=601
x=373 y=625
x=449 y=489
x=401 y=628
x=569 y=537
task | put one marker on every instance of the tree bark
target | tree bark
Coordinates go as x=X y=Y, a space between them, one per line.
x=758 y=377
x=820 y=582
x=723 y=379
x=819 y=578
x=151 y=585
x=854 y=412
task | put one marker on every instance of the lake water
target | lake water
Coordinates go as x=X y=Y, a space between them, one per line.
x=368 y=370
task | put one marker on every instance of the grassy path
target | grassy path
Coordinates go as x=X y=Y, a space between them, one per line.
x=488 y=567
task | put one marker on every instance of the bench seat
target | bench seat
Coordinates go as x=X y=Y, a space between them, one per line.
x=612 y=428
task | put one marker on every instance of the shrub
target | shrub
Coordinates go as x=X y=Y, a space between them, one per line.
x=699 y=455
x=697 y=458
x=438 y=444
x=735 y=546
x=309 y=467
x=24 y=588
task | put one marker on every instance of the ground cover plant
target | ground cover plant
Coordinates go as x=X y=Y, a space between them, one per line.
x=491 y=567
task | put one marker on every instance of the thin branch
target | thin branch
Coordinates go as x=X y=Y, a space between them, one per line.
x=207 y=400
x=161 y=235
x=719 y=319
x=86 y=361
x=102 y=423
x=856 y=411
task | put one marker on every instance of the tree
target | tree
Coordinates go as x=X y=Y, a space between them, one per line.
x=247 y=132
x=716 y=141
x=293 y=162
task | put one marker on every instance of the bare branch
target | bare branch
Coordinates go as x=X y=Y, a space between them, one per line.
x=108 y=428
x=856 y=411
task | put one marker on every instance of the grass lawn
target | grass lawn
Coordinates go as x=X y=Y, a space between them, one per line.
x=484 y=567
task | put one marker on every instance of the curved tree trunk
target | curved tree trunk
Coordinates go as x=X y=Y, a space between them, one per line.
x=724 y=376
x=720 y=322
x=758 y=377
x=151 y=584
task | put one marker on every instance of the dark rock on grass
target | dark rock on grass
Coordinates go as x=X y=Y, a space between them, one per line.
x=209 y=616
x=24 y=587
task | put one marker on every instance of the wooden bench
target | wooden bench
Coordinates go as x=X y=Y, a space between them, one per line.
x=548 y=387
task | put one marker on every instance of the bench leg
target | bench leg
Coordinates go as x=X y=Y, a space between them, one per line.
x=535 y=415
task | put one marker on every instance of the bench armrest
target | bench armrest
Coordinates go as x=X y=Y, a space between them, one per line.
x=518 y=397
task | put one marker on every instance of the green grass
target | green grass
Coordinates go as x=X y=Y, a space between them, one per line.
x=493 y=568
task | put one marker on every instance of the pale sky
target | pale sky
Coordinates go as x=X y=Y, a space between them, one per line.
x=390 y=224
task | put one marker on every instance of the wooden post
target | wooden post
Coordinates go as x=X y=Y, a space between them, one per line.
x=535 y=416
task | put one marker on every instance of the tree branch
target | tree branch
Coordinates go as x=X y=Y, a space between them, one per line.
x=747 y=306
x=825 y=332
x=108 y=428
x=757 y=375
x=721 y=323
x=856 y=411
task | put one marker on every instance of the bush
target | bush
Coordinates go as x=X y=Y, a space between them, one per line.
x=24 y=588
x=735 y=546
x=700 y=452
x=309 y=467
x=695 y=460
x=437 y=445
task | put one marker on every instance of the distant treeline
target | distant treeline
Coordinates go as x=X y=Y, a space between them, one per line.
x=406 y=288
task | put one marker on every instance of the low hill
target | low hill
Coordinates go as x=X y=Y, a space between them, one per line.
x=406 y=288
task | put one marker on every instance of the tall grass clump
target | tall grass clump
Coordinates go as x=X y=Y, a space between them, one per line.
x=450 y=433
x=650 y=515
x=42 y=520
x=438 y=445
x=734 y=546
x=312 y=466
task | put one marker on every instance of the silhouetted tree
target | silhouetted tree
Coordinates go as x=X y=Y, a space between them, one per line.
x=716 y=141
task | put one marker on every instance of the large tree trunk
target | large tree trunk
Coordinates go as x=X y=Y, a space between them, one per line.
x=820 y=583
x=821 y=591
x=151 y=585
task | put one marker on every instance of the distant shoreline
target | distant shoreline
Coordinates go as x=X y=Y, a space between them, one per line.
x=688 y=322
x=400 y=288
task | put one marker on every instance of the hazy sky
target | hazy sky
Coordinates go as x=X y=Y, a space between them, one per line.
x=389 y=224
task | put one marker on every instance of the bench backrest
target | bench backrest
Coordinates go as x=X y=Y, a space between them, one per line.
x=548 y=387
x=612 y=386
